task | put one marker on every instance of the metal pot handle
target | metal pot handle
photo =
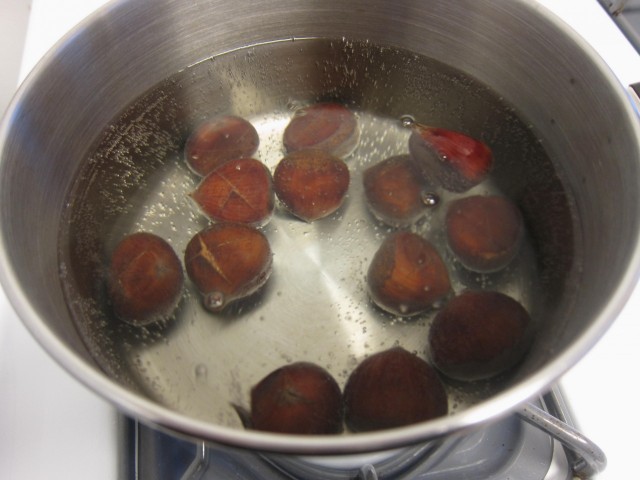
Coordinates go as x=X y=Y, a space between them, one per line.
x=585 y=457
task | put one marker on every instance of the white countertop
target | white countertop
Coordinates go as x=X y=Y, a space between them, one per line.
x=39 y=399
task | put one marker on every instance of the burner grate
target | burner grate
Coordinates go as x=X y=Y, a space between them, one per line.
x=510 y=448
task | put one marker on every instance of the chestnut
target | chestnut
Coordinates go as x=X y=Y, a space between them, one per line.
x=484 y=232
x=145 y=279
x=227 y=262
x=407 y=276
x=478 y=335
x=311 y=184
x=392 y=389
x=330 y=127
x=449 y=159
x=240 y=191
x=300 y=398
x=219 y=140
x=393 y=190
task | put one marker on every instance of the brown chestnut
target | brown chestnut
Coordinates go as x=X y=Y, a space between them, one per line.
x=145 y=279
x=330 y=127
x=479 y=334
x=391 y=389
x=484 y=232
x=311 y=184
x=449 y=159
x=300 y=398
x=393 y=190
x=407 y=276
x=227 y=262
x=240 y=191
x=219 y=140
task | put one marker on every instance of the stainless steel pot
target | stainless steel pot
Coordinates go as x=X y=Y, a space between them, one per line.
x=574 y=105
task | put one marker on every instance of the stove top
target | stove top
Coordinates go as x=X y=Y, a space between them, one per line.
x=52 y=427
x=539 y=443
x=510 y=448
x=507 y=449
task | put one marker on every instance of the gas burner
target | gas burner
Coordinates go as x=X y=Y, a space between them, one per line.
x=519 y=446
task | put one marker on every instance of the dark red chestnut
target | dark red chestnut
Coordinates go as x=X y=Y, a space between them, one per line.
x=227 y=262
x=479 y=334
x=449 y=159
x=300 y=398
x=311 y=184
x=484 y=232
x=392 y=389
x=407 y=276
x=240 y=191
x=145 y=279
x=219 y=140
x=330 y=127
x=393 y=189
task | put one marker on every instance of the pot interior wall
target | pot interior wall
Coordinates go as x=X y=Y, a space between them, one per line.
x=572 y=165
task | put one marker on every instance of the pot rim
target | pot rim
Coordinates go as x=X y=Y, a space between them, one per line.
x=488 y=410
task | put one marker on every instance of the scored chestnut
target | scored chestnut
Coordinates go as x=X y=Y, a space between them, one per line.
x=407 y=276
x=393 y=190
x=145 y=279
x=240 y=190
x=392 y=389
x=449 y=159
x=300 y=398
x=311 y=184
x=484 y=232
x=478 y=335
x=330 y=127
x=227 y=262
x=219 y=140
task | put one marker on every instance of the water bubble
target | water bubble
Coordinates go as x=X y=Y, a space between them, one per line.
x=214 y=301
x=430 y=199
x=407 y=121
x=438 y=304
x=201 y=371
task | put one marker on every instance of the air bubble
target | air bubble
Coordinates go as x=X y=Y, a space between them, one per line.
x=214 y=301
x=430 y=199
x=407 y=121
x=201 y=371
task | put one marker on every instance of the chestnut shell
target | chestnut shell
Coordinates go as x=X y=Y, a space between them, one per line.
x=219 y=140
x=311 y=184
x=330 y=127
x=227 y=262
x=392 y=389
x=484 y=232
x=393 y=189
x=240 y=191
x=300 y=398
x=478 y=335
x=449 y=159
x=145 y=279
x=407 y=276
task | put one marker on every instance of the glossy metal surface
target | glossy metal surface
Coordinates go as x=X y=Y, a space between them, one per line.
x=575 y=105
x=587 y=459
